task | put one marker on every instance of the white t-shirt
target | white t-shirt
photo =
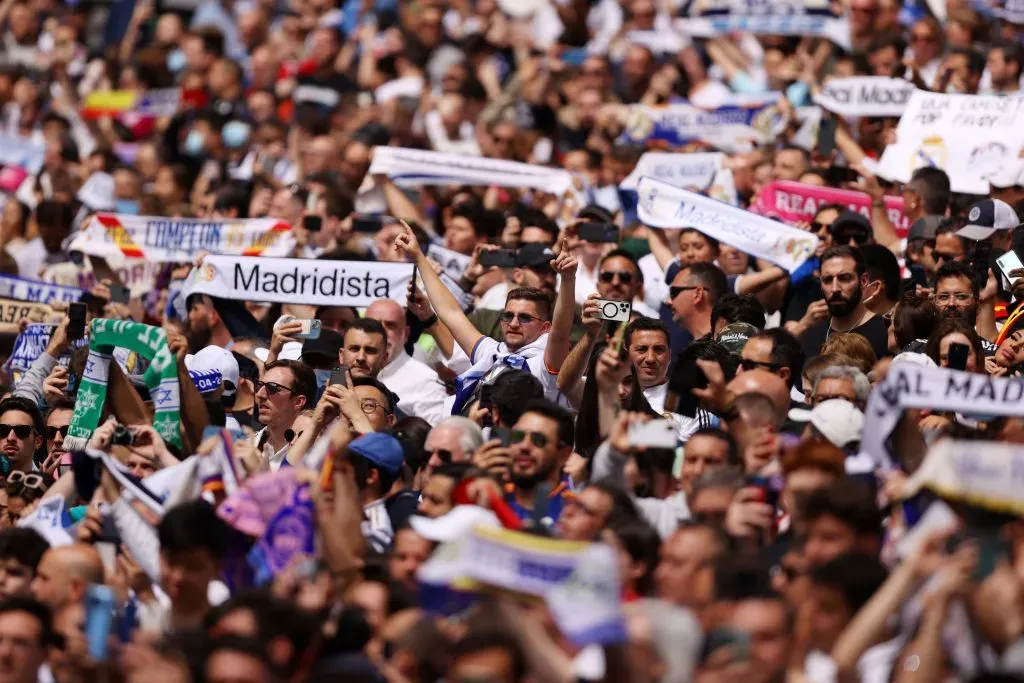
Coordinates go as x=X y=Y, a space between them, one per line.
x=420 y=391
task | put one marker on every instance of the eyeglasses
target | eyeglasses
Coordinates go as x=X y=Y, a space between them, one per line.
x=922 y=38
x=442 y=454
x=942 y=256
x=818 y=226
x=609 y=276
x=20 y=431
x=272 y=388
x=524 y=318
x=675 y=291
x=959 y=297
x=369 y=405
x=748 y=364
x=52 y=432
x=518 y=436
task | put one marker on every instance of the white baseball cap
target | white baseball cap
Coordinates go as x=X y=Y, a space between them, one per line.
x=986 y=217
x=290 y=351
x=216 y=358
x=456 y=523
x=839 y=421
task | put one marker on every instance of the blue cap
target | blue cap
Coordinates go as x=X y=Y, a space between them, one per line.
x=382 y=450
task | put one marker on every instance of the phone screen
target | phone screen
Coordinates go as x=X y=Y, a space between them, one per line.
x=958 y=356
x=76 y=314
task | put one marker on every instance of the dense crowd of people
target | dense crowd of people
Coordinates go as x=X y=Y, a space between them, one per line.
x=500 y=341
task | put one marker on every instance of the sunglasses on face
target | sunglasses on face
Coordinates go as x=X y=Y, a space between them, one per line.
x=272 y=388
x=676 y=290
x=524 y=318
x=609 y=276
x=443 y=455
x=52 y=432
x=536 y=438
x=748 y=365
x=20 y=431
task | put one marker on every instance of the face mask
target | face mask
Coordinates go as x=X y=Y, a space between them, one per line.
x=126 y=206
x=194 y=142
x=322 y=378
x=176 y=61
x=235 y=134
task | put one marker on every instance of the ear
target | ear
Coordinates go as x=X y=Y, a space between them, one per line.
x=517 y=275
x=391 y=420
x=76 y=588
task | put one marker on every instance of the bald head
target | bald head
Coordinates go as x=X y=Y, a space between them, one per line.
x=763 y=382
x=392 y=316
x=65 y=572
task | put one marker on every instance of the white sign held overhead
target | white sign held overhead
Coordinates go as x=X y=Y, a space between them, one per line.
x=968 y=136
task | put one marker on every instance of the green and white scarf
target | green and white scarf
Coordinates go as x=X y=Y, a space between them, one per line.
x=161 y=377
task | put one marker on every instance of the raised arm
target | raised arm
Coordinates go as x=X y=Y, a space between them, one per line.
x=565 y=306
x=571 y=372
x=445 y=306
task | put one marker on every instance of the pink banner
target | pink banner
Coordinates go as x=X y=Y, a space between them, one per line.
x=797 y=202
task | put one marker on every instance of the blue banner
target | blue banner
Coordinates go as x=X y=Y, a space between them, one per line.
x=37 y=292
x=739 y=124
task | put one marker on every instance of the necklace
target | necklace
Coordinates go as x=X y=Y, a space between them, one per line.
x=866 y=316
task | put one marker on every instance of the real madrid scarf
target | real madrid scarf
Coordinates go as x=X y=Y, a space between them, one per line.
x=161 y=378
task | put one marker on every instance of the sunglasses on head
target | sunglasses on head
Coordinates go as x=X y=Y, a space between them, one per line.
x=20 y=431
x=19 y=482
x=608 y=276
x=518 y=436
x=271 y=387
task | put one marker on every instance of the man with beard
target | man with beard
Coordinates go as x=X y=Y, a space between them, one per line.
x=205 y=324
x=541 y=441
x=956 y=296
x=843 y=277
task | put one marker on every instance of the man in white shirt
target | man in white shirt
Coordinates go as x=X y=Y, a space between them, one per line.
x=536 y=334
x=286 y=389
x=420 y=392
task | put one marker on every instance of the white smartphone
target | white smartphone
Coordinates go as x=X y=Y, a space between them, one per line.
x=653 y=434
x=1007 y=263
x=617 y=311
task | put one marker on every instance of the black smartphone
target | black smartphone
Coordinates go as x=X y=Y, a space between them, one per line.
x=337 y=375
x=599 y=232
x=367 y=224
x=312 y=223
x=502 y=434
x=485 y=395
x=486 y=403
x=827 y=136
x=119 y=294
x=76 y=314
x=498 y=258
x=958 y=356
